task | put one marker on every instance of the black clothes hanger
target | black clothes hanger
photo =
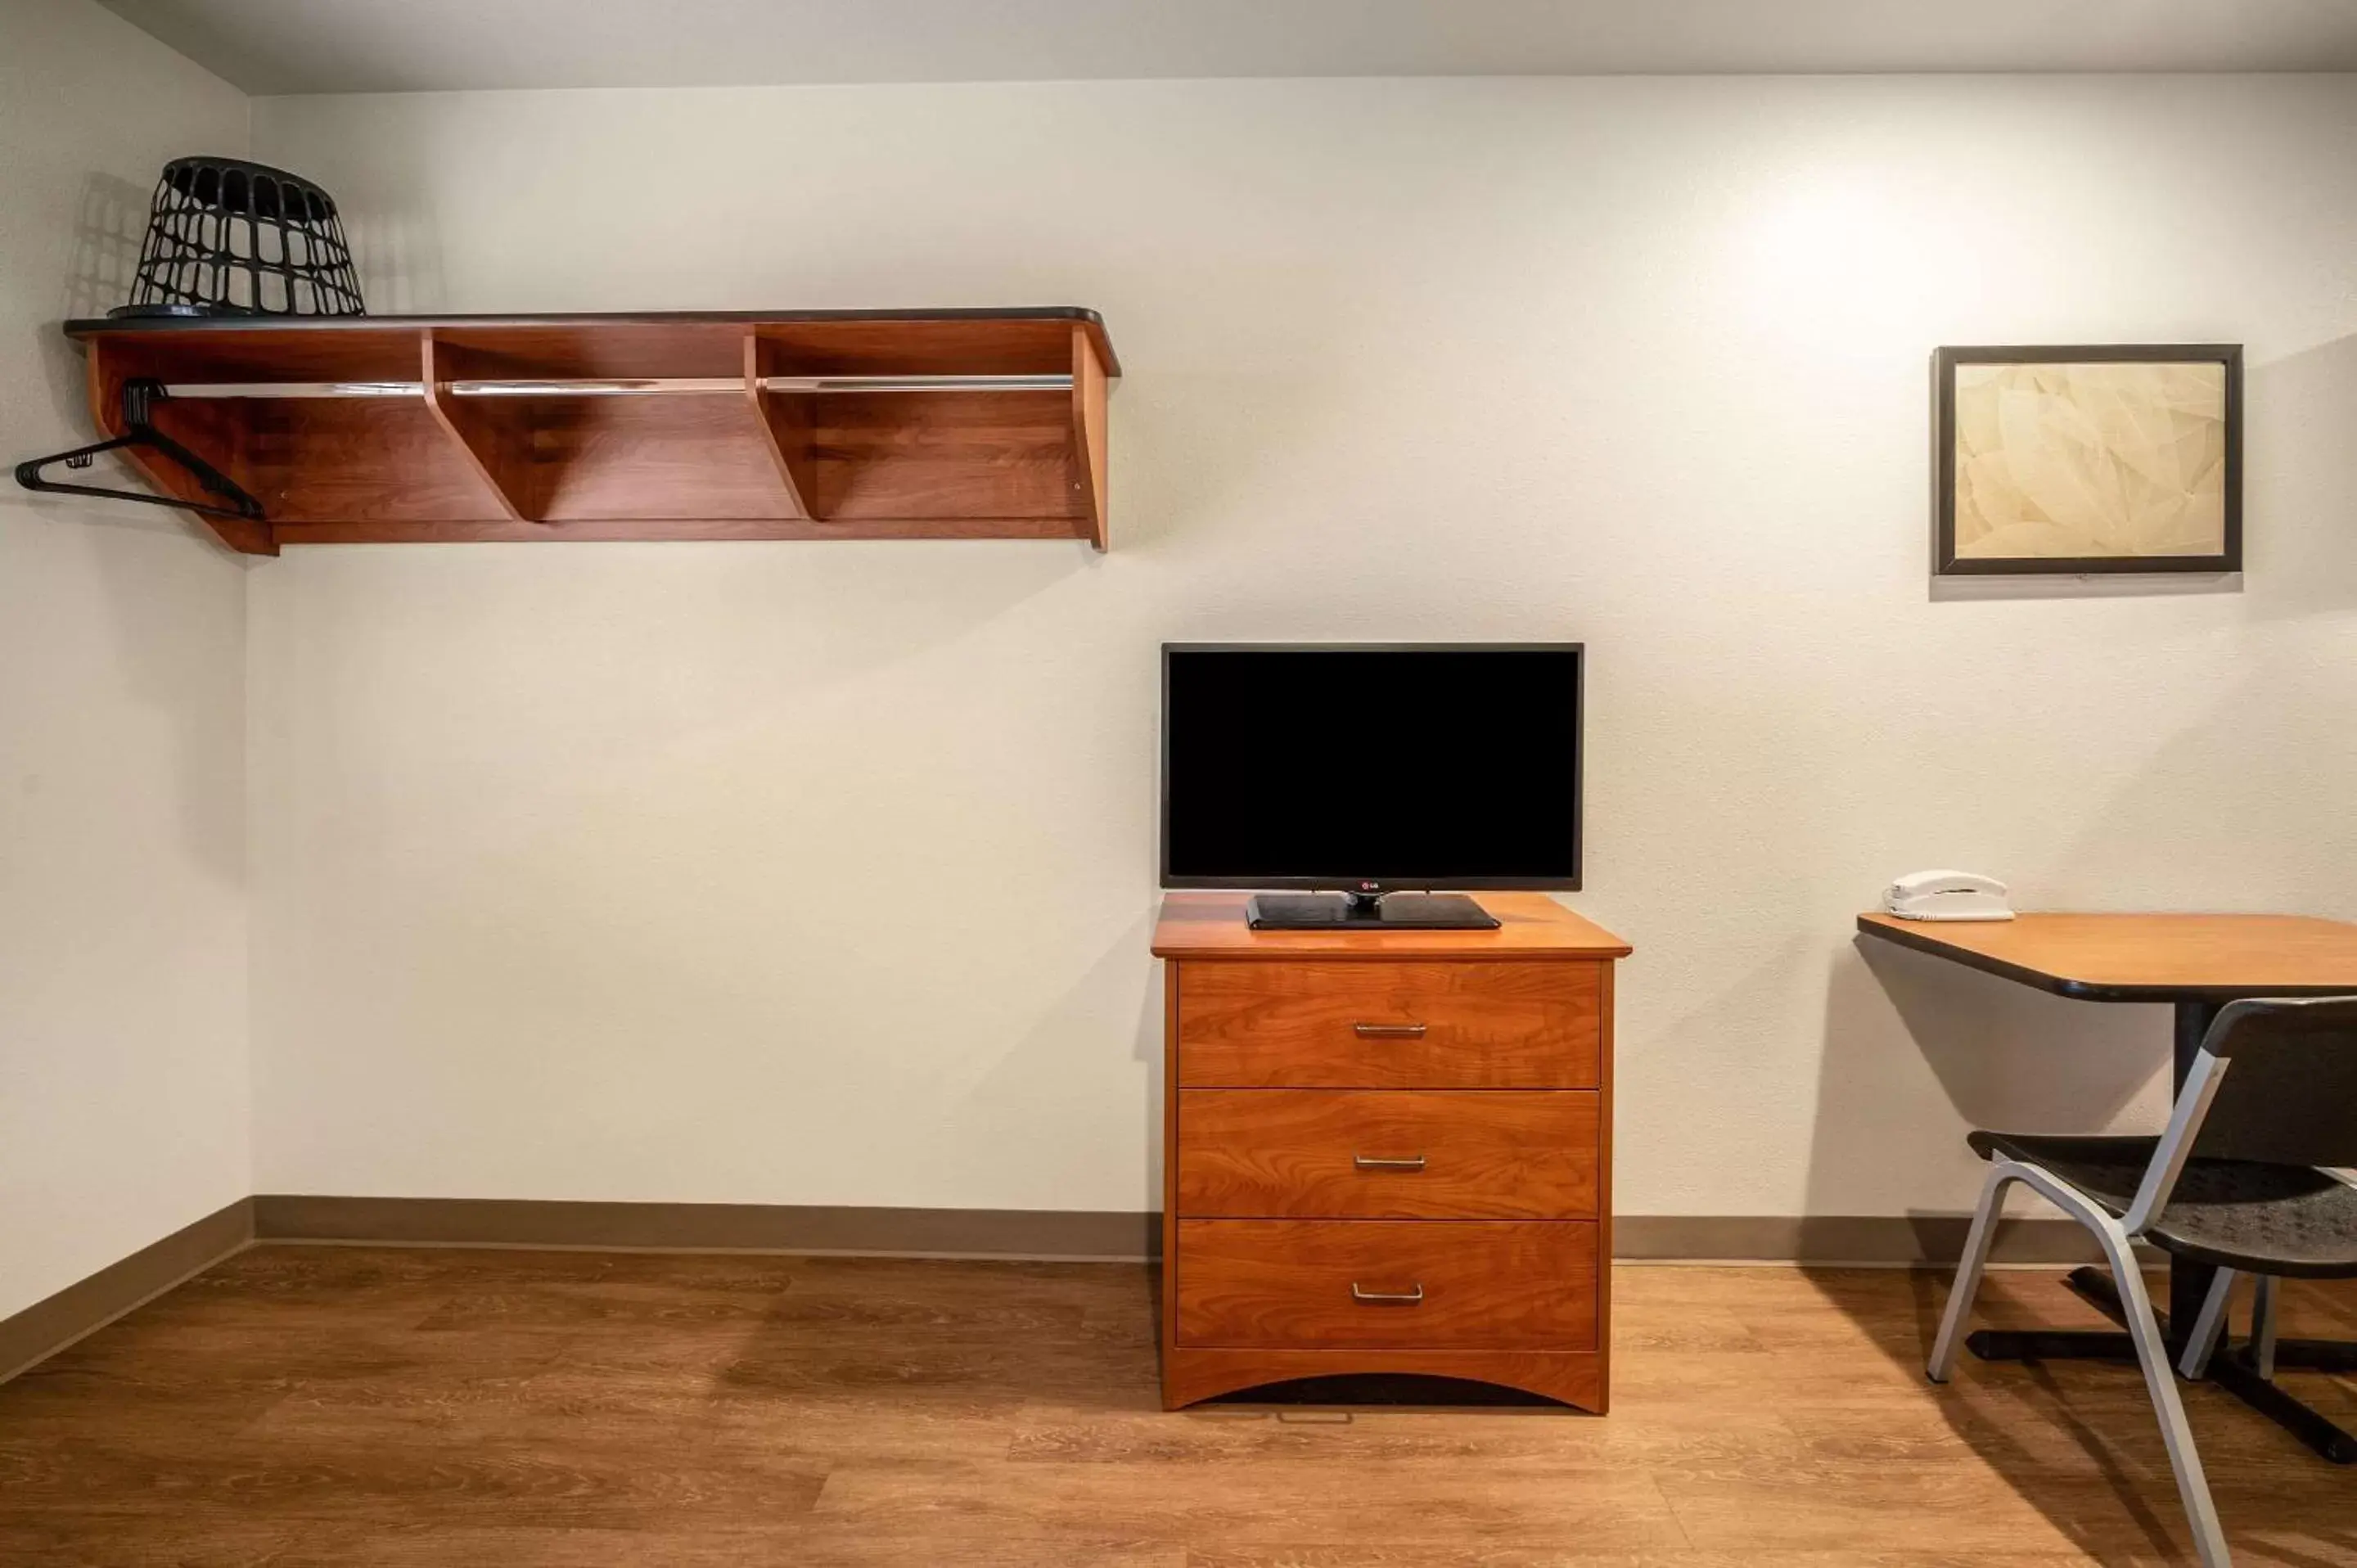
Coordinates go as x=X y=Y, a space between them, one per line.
x=138 y=398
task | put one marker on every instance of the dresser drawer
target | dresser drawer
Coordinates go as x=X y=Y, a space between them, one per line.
x=1468 y=1284
x=1390 y=1025
x=1383 y=1154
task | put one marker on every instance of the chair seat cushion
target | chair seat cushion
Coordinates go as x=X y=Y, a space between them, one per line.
x=2275 y=1220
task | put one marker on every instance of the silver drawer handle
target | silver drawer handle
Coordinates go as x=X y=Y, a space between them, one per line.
x=1388 y=1031
x=1373 y=1162
x=1387 y=1297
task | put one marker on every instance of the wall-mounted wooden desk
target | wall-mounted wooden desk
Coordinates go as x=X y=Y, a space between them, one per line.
x=2196 y=963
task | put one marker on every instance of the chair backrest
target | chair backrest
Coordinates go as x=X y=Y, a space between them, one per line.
x=2288 y=1095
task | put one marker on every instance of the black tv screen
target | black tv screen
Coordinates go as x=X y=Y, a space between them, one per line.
x=1329 y=766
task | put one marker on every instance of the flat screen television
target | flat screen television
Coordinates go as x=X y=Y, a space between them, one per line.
x=1369 y=768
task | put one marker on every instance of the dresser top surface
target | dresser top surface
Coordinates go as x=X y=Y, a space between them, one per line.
x=1530 y=925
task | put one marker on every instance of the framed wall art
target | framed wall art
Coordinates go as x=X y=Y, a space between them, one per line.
x=2118 y=458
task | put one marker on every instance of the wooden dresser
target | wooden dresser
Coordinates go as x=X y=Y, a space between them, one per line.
x=1386 y=1151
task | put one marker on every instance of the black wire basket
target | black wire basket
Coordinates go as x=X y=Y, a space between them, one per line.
x=230 y=238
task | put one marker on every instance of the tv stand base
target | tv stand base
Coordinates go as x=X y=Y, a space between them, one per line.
x=1367 y=912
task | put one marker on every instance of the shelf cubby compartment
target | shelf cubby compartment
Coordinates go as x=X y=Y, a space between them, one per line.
x=823 y=424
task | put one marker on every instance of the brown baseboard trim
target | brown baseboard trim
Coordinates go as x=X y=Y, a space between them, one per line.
x=48 y=1326
x=1092 y=1236
x=79 y=1309
x=1095 y=1236
x=1892 y=1240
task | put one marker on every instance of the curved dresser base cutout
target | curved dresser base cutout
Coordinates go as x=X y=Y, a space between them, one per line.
x=1190 y=1376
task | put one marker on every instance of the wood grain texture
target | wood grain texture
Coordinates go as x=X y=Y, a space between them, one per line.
x=1531 y=925
x=2130 y=958
x=1313 y=1024
x=1296 y=1284
x=624 y=344
x=1285 y=1057
x=1574 y=1378
x=1089 y=449
x=1166 y=1313
x=956 y=455
x=219 y=440
x=740 y=463
x=494 y=437
x=37 y=1332
x=293 y=1407
x=783 y=423
x=320 y=458
x=1300 y=1153
x=471 y=531
x=646 y=459
x=1607 y=975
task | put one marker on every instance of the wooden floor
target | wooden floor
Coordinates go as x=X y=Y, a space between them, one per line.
x=508 y=1409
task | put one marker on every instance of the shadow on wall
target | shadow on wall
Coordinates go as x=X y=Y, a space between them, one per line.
x=172 y=615
x=1212 y=452
x=680 y=818
x=2300 y=494
x=2007 y=1055
x=1226 y=421
x=2178 y=832
x=2301 y=484
x=109 y=221
x=1115 y=1003
x=186 y=669
x=2003 y=1054
x=399 y=259
x=110 y=225
x=2125 y=585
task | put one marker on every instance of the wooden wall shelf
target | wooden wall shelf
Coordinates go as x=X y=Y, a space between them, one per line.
x=812 y=425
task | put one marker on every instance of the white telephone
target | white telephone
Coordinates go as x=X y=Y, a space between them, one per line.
x=1947 y=895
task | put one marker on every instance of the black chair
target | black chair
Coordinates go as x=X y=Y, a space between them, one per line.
x=2244 y=1178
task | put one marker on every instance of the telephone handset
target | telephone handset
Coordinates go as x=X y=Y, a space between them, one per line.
x=1947 y=895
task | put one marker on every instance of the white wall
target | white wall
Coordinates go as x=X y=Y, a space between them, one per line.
x=122 y=938
x=822 y=873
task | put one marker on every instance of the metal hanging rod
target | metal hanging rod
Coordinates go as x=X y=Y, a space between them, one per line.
x=672 y=386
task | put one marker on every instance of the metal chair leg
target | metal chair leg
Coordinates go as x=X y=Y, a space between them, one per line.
x=1969 y=1268
x=2152 y=1355
x=2161 y=1382
x=2263 y=1328
x=2202 y=1343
